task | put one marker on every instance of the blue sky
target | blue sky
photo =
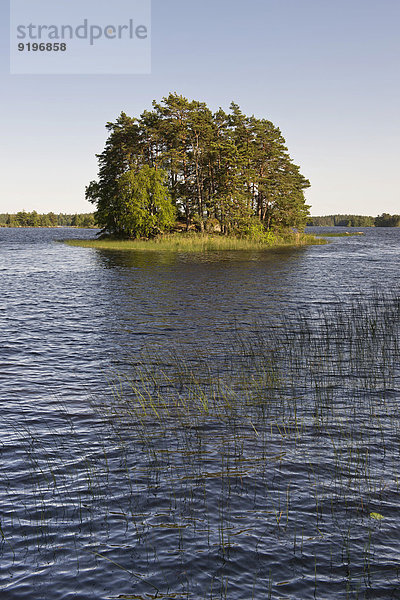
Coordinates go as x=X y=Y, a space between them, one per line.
x=325 y=72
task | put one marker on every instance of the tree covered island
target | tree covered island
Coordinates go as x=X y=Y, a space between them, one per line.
x=181 y=167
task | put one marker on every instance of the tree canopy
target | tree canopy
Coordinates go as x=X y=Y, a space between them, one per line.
x=386 y=220
x=342 y=221
x=145 y=205
x=222 y=167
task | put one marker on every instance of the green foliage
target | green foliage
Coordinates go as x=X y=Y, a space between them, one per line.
x=145 y=205
x=254 y=229
x=84 y=221
x=223 y=167
x=198 y=242
x=33 y=219
x=386 y=220
x=342 y=221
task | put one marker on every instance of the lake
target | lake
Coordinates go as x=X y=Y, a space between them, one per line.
x=223 y=425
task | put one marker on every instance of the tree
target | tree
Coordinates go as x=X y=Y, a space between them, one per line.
x=52 y=219
x=386 y=220
x=223 y=166
x=146 y=207
x=120 y=155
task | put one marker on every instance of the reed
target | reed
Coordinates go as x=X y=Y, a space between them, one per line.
x=192 y=242
x=287 y=447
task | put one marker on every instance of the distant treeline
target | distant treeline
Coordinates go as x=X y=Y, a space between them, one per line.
x=384 y=220
x=34 y=219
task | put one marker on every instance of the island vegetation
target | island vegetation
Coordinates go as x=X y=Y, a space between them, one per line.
x=199 y=242
x=181 y=168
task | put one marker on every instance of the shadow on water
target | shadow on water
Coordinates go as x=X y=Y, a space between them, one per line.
x=141 y=259
x=187 y=301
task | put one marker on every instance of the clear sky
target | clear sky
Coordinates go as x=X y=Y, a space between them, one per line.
x=325 y=71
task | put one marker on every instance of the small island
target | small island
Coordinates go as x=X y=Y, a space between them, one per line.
x=182 y=177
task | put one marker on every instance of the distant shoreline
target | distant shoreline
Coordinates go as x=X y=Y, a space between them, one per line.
x=383 y=220
x=45 y=227
x=50 y=219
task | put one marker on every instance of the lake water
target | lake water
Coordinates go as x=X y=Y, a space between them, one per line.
x=264 y=494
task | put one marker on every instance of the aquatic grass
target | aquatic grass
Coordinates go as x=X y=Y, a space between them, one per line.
x=285 y=447
x=192 y=242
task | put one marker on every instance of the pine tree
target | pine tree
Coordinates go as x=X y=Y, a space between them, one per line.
x=224 y=167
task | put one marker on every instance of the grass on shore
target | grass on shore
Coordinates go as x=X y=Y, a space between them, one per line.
x=195 y=242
